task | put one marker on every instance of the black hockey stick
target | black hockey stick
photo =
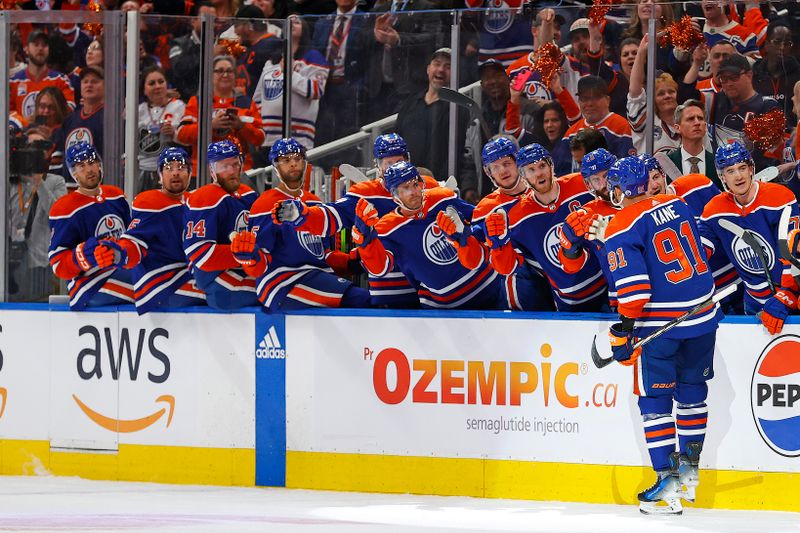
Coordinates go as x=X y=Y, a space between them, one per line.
x=601 y=362
x=783 y=236
x=449 y=95
x=751 y=241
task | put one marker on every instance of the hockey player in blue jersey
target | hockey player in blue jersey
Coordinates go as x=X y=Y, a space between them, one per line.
x=393 y=289
x=293 y=268
x=748 y=205
x=78 y=221
x=410 y=239
x=152 y=246
x=660 y=272
x=214 y=212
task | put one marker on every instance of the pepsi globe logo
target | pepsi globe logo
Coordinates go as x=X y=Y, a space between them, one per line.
x=311 y=243
x=775 y=395
x=109 y=227
x=242 y=221
x=498 y=21
x=273 y=85
x=748 y=258
x=552 y=245
x=436 y=246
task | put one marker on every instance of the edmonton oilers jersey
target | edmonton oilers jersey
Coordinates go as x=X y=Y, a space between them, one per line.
x=659 y=267
x=761 y=217
x=418 y=247
x=293 y=253
x=533 y=229
x=505 y=34
x=210 y=217
x=76 y=217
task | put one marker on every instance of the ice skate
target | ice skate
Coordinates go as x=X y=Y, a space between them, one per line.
x=687 y=466
x=663 y=497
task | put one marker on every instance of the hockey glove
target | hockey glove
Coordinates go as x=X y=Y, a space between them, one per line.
x=597 y=229
x=497 y=229
x=451 y=224
x=776 y=309
x=571 y=243
x=621 y=337
x=293 y=211
x=110 y=253
x=581 y=221
x=83 y=254
x=243 y=247
x=363 y=230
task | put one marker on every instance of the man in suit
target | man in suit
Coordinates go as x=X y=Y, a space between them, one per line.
x=340 y=38
x=692 y=157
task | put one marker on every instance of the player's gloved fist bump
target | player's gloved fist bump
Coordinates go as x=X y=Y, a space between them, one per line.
x=366 y=212
x=449 y=221
x=243 y=247
x=621 y=337
x=776 y=309
x=580 y=221
x=110 y=253
x=84 y=254
x=497 y=228
x=293 y=211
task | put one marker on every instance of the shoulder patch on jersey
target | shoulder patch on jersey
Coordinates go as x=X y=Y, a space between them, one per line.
x=111 y=191
x=206 y=196
x=774 y=195
x=68 y=204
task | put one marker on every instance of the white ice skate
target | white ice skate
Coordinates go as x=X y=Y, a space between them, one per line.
x=664 y=497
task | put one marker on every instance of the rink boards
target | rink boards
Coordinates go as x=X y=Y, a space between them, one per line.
x=480 y=404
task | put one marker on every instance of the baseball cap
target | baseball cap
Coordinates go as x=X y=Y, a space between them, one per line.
x=37 y=34
x=735 y=63
x=97 y=71
x=579 y=24
x=559 y=20
x=440 y=52
x=490 y=64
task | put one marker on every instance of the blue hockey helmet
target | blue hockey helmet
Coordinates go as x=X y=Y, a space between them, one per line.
x=286 y=146
x=595 y=162
x=732 y=154
x=174 y=153
x=80 y=152
x=388 y=145
x=399 y=173
x=651 y=163
x=630 y=176
x=217 y=151
x=531 y=154
x=497 y=149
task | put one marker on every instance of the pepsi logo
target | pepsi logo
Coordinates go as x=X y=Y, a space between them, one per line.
x=775 y=395
x=748 y=259
x=436 y=246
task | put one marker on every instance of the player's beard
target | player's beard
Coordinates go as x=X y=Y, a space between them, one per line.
x=293 y=180
x=229 y=184
x=175 y=185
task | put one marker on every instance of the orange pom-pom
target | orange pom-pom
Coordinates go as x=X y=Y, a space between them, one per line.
x=547 y=62
x=682 y=34
x=93 y=29
x=232 y=47
x=766 y=130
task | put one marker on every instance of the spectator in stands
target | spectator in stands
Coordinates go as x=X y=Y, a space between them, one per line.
x=692 y=157
x=627 y=54
x=728 y=110
x=234 y=117
x=51 y=109
x=719 y=27
x=25 y=84
x=424 y=120
x=585 y=141
x=504 y=35
x=226 y=8
x=184 y=54
x=159 y=117
x=261 y=46
x=271 y=12
x=638 y=27
x=714 y=56
x=495 y=93
x=309 y=77
x=85 y=124
x=342 y=40
x=94 y=58
x=16 y=57
x=665 y=138
x=550 y=125
x=76 y=41
x=401 y=44
x=776 y=74
x=32 y=192
x=593 y=100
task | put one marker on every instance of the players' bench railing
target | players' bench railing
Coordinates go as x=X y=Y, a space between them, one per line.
x=364 y=139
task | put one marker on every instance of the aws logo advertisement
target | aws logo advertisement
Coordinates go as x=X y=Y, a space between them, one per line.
x=397 y=379
x=775 y=395
x=136 y=355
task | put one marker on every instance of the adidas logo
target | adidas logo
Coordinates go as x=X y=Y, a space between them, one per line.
x=270 y=346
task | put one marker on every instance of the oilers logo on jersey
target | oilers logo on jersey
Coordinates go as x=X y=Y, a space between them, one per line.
x=498 y=21
x=29 y=104
x=78 y=135
x=272 y=85
x=109 y=227
x=552 y=245
x=747 y=257
x=242 y=220
x=436 y=246
x=312 y=244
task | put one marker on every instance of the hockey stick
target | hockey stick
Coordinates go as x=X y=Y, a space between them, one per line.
x=751 y=241
x=454 y=97
x=783 y=244
x=352 y=173
x=601 y=362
